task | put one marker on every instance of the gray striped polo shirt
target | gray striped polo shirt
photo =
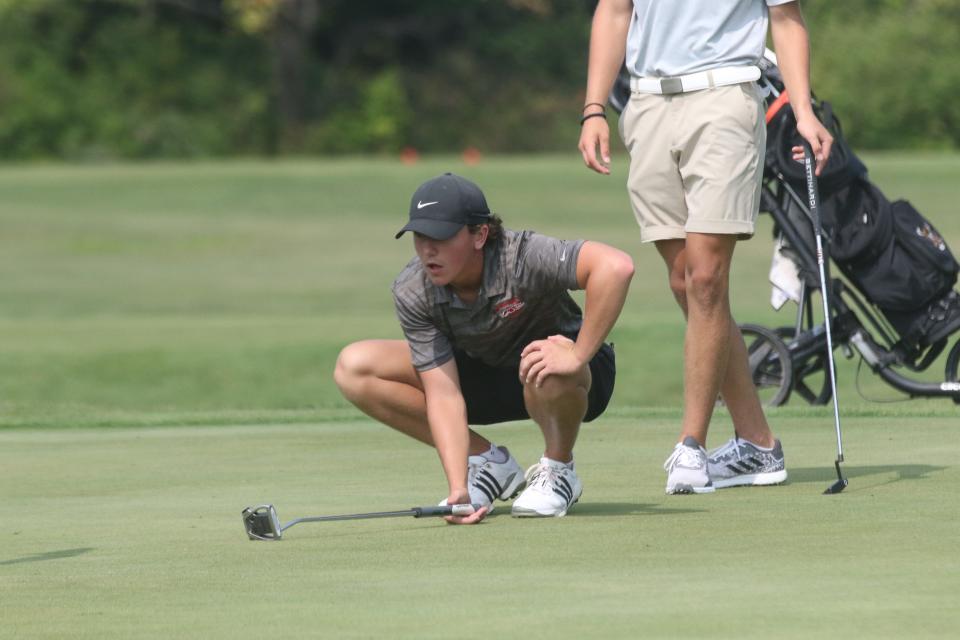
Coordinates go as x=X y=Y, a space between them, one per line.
x=526 y=279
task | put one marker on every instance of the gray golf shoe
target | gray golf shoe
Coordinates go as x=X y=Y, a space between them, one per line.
x=488 y=481
x=740 y=462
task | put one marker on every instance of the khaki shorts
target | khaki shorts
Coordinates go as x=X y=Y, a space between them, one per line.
x=695 y=161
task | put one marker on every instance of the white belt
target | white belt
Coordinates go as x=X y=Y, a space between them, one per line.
x=695 y=81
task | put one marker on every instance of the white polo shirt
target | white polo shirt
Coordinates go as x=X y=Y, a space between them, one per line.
x=677 y=37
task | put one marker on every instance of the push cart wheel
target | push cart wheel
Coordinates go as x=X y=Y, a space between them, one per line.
x=811 y=379
x=953 y=362
x=770 y=364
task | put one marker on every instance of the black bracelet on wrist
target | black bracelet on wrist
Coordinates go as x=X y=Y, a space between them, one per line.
x=594 y=104
x=599 y=114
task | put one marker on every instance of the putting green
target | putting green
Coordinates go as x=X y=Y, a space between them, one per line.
x=167 y=337
x=118 y=533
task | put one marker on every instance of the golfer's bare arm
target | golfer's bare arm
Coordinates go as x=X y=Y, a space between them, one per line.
x=608 y=43
x=604 y=273
x=447 y=415
x=792 y=44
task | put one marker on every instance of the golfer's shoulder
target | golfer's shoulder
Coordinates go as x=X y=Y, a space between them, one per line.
x=532 y=246
x=520 y=244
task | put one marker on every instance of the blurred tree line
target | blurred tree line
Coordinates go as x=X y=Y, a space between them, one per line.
x=175 y=78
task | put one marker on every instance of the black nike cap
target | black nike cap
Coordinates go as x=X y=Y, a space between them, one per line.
x=440 y=207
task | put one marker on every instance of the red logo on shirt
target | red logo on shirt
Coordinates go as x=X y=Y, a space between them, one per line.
x=509 y=307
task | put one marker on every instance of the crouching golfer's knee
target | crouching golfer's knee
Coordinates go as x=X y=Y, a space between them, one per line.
x=354 y=365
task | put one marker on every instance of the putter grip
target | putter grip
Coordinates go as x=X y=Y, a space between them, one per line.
x=449 y=510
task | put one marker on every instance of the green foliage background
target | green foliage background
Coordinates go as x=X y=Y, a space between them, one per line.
x=91 y=79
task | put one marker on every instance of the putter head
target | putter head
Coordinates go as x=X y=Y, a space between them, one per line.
x=261 y=522
x=836 y=487
x=841 y=482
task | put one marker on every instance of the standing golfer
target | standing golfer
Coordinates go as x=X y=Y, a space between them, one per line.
x=694 y=127
x=492 y=335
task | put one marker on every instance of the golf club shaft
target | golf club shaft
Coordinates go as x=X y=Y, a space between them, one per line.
x=416 y=512
x=814 y=199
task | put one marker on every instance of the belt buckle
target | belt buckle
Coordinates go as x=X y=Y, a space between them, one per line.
x=670 y=86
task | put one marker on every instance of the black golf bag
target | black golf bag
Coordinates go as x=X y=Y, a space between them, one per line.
x=896 y=306
x=888 y=251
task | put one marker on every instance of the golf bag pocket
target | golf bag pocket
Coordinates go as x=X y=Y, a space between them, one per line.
x=891 y=252
x=861 y=224
x=936 y=266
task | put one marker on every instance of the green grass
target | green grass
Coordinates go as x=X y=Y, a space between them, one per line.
x=136 y=533
x=167 y=336
x=158 y=289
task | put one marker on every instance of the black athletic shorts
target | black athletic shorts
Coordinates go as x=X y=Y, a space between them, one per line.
x=495 y=394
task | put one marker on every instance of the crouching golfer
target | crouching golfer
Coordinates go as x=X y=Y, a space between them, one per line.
x=492 y=335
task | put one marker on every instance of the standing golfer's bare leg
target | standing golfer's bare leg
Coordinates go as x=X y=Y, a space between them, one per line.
x=706 y=344
x=740 y=395
x=736 y=384
x=378 y=377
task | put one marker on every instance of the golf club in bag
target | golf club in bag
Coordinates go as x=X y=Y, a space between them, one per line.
x=262 y=523
x=813 y=197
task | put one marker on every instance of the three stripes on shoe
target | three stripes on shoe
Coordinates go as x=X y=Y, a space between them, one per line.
x=563 y=489
x=485 y=482
x=745 y=465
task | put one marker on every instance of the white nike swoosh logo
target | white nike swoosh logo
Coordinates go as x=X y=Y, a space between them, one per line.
x=421 y=205
x=563 y=256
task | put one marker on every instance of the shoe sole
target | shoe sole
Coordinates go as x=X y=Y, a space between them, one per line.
x=686 y=489
x=529 y=513
x=753 y=480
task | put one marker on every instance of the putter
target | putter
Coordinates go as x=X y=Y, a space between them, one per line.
x=813 y=196
x=262 y=523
